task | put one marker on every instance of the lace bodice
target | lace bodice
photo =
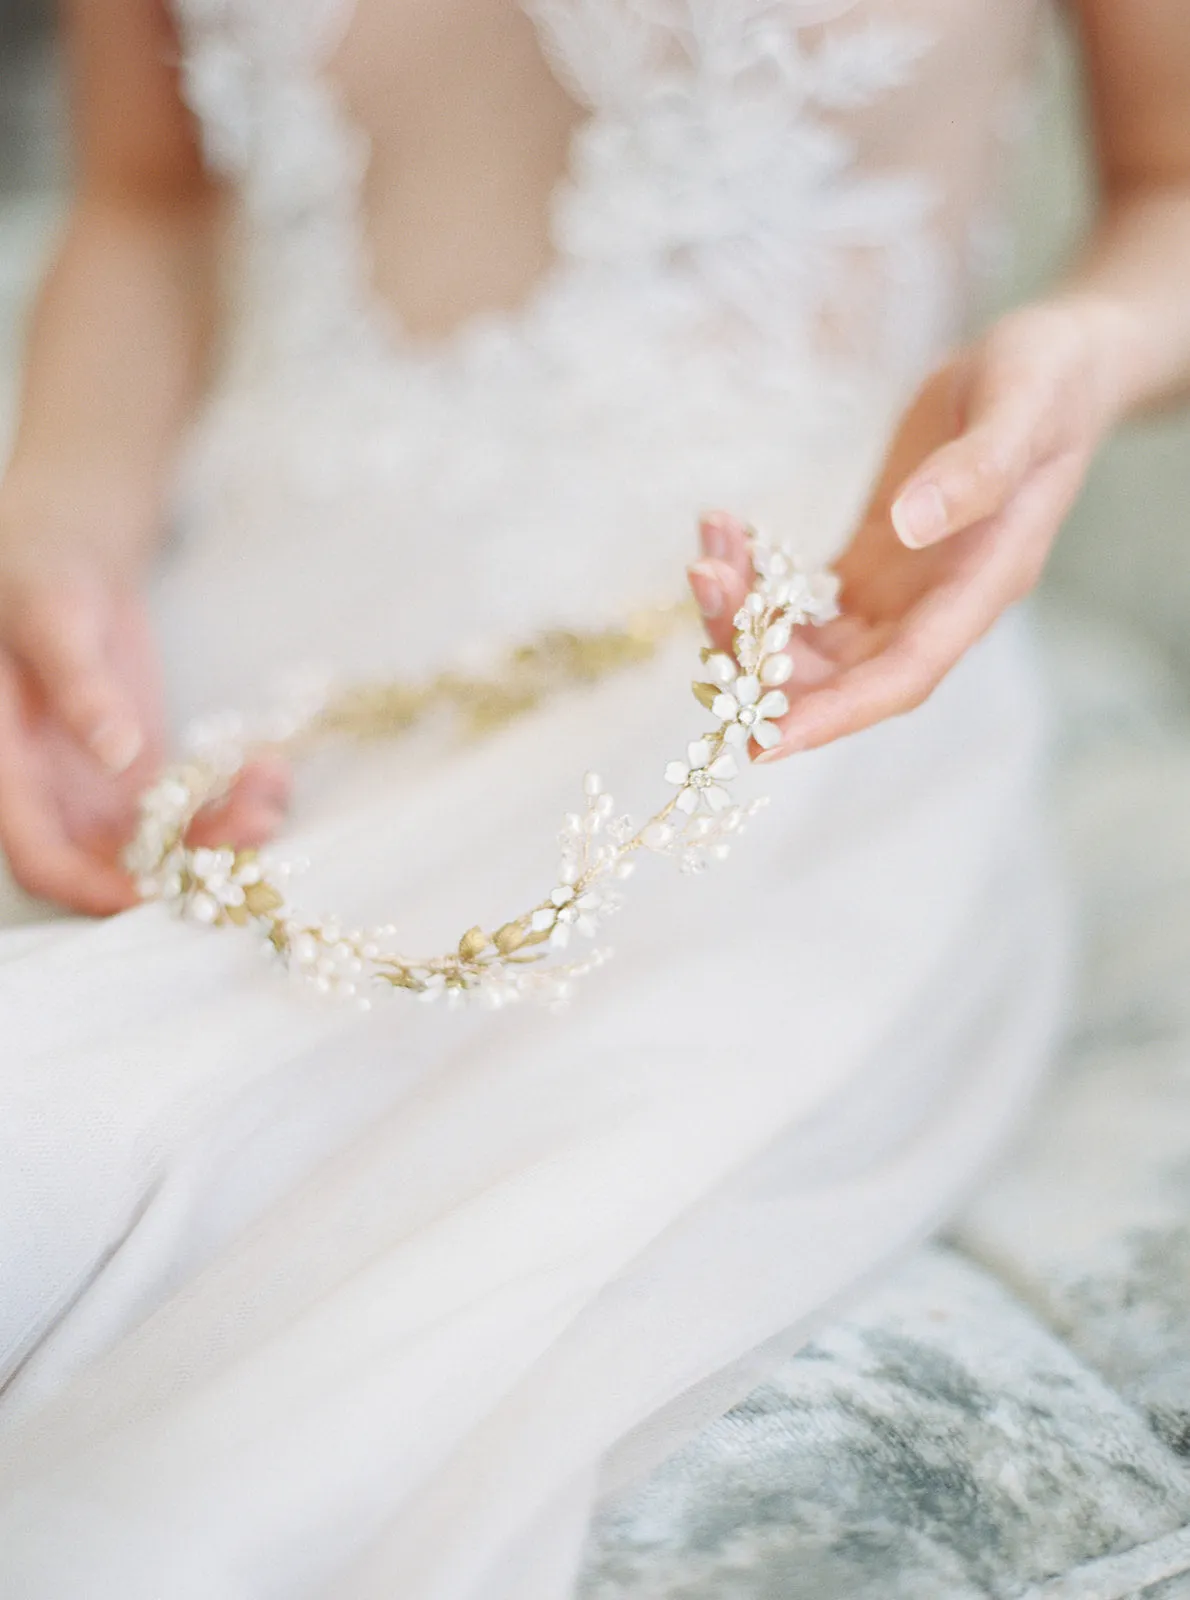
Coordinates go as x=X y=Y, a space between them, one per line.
x=773 y=218
x=729 y=148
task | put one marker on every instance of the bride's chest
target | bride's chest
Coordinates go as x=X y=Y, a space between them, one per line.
x=480 y=140
x=406 y=65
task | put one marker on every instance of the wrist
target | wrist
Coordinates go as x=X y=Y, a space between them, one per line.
x=1112 y=352
x=1129 y=292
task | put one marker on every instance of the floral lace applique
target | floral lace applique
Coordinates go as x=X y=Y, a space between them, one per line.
x=236 y=54
x=709 y=151
x=707 y=159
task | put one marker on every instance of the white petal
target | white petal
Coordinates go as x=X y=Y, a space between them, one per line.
x=776 y=637
x=698 y=753
x=726 y=707
x=560 y=937
x=677 y=772
x=721 y=667
x=774 y=704
x=688 y=801
x=747 y=690
x=203 y=908
x=543 y=919
x=716 y=798
x=562 y=894
x=735 y=733
x=775 y=670
x=724 y=767
x=766 y=734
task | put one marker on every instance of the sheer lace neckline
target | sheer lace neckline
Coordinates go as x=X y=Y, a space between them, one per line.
x=762 y=241
x=705 y=128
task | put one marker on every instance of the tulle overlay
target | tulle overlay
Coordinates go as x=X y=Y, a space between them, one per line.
x=300 y=1302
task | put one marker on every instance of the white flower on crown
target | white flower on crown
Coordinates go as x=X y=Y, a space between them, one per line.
x=745 y=710
x=220 y=881
x=567 y=910
x=700 y=778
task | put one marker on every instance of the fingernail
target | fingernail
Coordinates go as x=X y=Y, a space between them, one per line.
x=919 y=515
x=714 y=529
x=117 y=744
x=774 y=754
x=708 y=591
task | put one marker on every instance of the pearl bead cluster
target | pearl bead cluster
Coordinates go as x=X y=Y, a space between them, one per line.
x=695 y=827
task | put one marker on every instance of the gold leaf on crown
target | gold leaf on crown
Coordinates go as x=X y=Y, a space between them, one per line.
x=741 y=690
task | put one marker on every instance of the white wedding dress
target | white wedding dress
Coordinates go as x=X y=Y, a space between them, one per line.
x=300 y=1303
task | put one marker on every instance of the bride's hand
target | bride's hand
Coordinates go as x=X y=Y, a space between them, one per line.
x=977 y=481
x=81 y=728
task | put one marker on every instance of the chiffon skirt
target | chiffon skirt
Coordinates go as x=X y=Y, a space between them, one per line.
x=296 y=1302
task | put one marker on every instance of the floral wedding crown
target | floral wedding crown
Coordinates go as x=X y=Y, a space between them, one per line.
x=741 y=690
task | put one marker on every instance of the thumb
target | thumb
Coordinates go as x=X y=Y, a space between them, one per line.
x=63 y=636
x=1007 y=426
